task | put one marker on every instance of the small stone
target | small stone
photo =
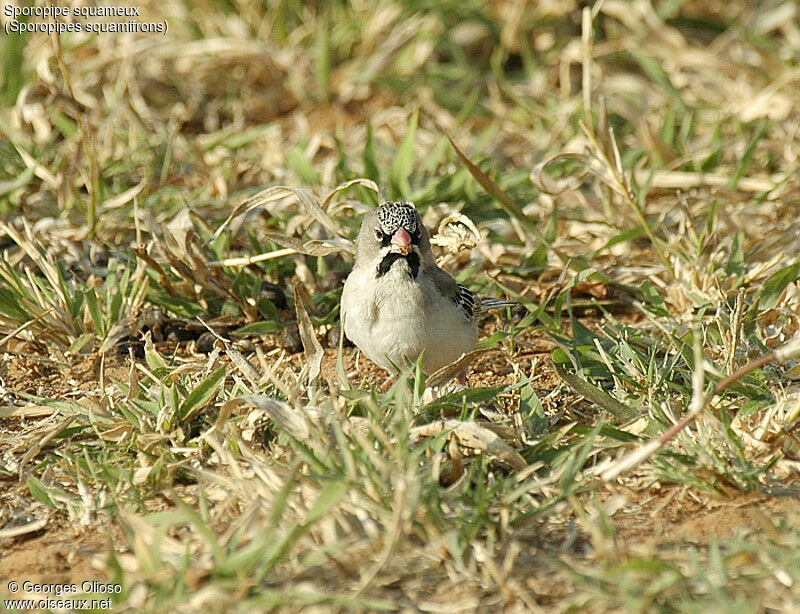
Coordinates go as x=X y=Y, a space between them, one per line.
x=290 y=339
x=332 y=338
x=205 y=343
x=274 y=294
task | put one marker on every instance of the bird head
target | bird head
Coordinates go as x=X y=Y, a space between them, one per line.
x=394 y=232
x=398 y=227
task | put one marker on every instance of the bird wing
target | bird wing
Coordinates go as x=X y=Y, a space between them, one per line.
x=460 y=295
x=466 y=301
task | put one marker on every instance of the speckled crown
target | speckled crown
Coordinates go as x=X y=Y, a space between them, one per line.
x=392 y=215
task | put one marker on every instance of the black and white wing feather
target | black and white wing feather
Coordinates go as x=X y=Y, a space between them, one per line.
x=465 y=300
x=472 y=305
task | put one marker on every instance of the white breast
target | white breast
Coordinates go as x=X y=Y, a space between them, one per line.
x=392 y=319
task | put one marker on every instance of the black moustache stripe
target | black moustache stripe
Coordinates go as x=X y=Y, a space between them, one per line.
x=390 y=258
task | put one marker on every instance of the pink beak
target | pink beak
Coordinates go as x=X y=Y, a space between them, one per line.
x=402 y=239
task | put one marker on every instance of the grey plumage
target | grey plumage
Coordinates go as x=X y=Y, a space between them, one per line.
x=397 y=303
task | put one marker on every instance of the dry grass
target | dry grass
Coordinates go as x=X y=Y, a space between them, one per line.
x=177 y=220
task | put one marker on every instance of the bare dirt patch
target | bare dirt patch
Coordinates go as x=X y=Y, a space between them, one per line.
x=61 y=553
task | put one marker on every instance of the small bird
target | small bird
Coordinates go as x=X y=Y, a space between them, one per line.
x=397 y=303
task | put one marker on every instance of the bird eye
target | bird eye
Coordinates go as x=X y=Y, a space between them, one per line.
x=379 y=234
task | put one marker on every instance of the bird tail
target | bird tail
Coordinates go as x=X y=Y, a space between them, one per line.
x=495 y=303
